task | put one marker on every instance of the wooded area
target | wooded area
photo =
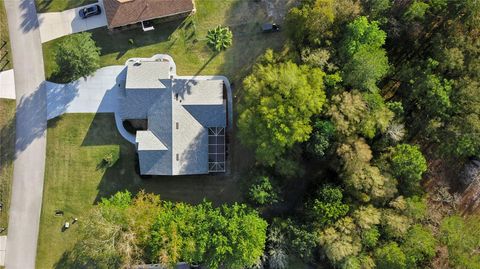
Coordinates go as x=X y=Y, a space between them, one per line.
x=345 y=123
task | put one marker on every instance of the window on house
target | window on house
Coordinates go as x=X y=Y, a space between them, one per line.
x=177 y=125
x=177 y=157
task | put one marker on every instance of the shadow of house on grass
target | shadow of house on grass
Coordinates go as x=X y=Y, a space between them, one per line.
x=122 y=40
x=123 y=176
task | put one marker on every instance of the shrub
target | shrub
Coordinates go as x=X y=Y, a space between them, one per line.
x=262 y=192
x=220 y=38
x=110 y=159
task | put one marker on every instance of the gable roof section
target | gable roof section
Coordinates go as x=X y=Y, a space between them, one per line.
x=124 y=12
x=148 y=141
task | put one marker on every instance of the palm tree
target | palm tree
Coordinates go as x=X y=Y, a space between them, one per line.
x=220 y=38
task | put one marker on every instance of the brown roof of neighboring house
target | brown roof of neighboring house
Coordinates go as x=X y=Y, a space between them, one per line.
x=124 y=12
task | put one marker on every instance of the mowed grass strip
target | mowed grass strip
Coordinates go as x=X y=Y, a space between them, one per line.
x=5 y=52
x=185 y=40
x=7 y=154
x=75 y=178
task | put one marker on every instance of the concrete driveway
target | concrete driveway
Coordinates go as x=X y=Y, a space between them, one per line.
x=57 y=24
x=94 y=94
x=98 y=93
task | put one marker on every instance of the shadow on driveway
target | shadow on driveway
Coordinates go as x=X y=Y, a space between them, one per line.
x=29 y=15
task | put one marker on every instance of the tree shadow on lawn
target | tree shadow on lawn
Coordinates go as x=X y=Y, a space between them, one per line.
x=122 y=175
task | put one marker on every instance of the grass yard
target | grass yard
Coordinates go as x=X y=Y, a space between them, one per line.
x=5 y=57
x=7 y=151
x=185 y=40
x=60 y=5
x=74 y=179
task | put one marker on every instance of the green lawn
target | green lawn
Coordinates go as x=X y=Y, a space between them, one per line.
x=5 y=57
x=76 y=145
x=60 y=5
x=7 y=150
x=185 y=40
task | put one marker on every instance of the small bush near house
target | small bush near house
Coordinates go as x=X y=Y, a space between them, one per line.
x=220 y=38
x=262 y=192
x=110 y=159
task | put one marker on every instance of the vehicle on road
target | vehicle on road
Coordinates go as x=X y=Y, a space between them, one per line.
x=89 y=11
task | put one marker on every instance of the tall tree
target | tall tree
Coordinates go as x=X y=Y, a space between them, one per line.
x=77 y=56
x=363 y=181
x=280 y=98
x=356 y=113
x=407 y=164
x=390 y=256
x=328 y=206
x=419 y=246
x=365 y=60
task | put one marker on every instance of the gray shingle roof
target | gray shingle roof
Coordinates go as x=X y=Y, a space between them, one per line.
x=148 y=75
x=179 y=111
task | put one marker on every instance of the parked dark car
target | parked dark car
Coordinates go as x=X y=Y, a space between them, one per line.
x=270 y=27
x=89 y=11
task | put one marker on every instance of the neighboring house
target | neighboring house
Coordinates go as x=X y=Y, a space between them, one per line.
x=186 y=119
x=125 y=12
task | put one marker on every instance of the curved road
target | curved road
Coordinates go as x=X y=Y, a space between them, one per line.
x=31 y=123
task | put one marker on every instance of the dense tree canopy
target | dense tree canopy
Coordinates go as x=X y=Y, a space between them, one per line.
x=366 y=61
x=419 y=246
x=280 y=98
x=401 y=92
x=390 y=256
x=328 y=206
x=321 y=138
x=123 y=231
x=363 y=180
x=407 y=165
x=356 y=113
x=233 y=237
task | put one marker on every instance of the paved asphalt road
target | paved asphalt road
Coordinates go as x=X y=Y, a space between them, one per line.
x=31 y=123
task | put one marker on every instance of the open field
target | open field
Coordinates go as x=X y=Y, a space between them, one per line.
x=185 y=40
x=7 y=151
x=5 y=57
x=75 y=180
x=59 y=5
